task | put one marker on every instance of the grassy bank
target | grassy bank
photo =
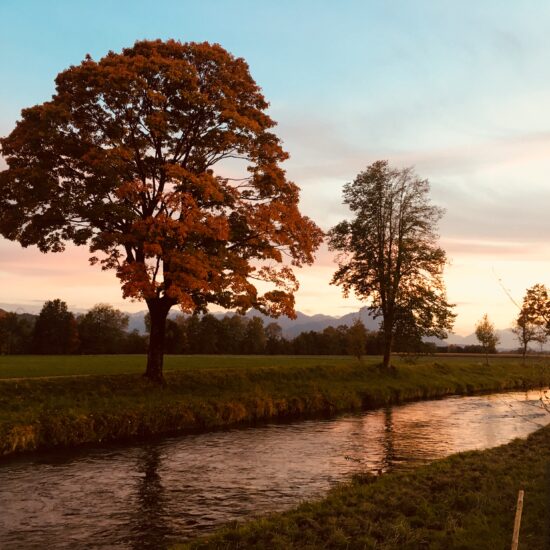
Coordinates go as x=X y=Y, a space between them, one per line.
x=466 y=501
x=203 y=393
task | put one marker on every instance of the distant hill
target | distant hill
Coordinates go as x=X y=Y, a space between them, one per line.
x=507 y=340
x=291 y=327
x=305 y=323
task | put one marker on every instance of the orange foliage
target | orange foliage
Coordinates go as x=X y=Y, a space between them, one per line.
x=129 y=156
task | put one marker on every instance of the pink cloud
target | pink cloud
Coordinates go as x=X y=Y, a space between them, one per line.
x=500 y=249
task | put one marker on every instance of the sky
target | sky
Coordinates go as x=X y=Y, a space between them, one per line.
x=459 y=90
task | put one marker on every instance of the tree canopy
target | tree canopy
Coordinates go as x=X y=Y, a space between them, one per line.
x=55 y=331
x=533 y=321
x=536 y=306
x=161 y=159
x=357 y=339
x=389 y=253
x=101 y=329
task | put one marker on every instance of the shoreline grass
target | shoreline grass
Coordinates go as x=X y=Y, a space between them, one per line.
x=464 y=501
x=208 y=393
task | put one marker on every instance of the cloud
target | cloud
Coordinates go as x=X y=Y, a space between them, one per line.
x=319 y=150
x=492 y=189
x=496 y=249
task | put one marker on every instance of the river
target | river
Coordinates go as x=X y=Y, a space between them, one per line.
x=153 y=494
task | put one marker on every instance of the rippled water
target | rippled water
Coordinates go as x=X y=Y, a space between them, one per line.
x=151 y=495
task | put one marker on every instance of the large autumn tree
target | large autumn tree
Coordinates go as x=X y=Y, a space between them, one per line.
x=161 y=159
x=389 y=254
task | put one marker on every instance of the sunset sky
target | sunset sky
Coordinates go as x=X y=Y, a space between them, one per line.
x=459 y=90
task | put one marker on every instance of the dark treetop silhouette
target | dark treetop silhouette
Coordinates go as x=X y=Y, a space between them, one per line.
x=122 y=158
x=389 y=253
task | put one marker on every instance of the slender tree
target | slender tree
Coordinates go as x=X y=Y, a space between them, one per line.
x=527 y=331
x=255 y=339
x=356 y=341
x=389 y=252
x=161 y=159
x=274 y=338
x=209 y=334
x=175 y=340
x=487 y=336
x=533 y=321
x=233 y=330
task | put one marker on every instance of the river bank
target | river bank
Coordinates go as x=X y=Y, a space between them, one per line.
x=41 y=413
x=465 y=501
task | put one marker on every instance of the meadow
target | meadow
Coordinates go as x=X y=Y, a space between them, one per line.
x=38 y=366
x=31 y=366
x=66 y=401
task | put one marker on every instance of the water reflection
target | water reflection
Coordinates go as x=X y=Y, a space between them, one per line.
x=152 y=495
x=389 y=448
x=149 y=526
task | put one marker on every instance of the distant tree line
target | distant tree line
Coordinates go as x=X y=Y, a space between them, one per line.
x=104 y=330
x=57 y=331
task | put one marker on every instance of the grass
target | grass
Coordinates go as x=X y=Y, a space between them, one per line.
x=32 y=366
x=205 y=393
x=465 y=501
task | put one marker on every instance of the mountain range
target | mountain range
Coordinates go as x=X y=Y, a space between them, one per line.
x=291 y=327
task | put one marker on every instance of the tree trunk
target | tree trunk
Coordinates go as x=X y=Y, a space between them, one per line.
x=158 y=311
x=387 y=349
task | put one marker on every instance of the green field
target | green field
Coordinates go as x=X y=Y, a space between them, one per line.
x=30 y=366
x=466 y=501
x=43 y=405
